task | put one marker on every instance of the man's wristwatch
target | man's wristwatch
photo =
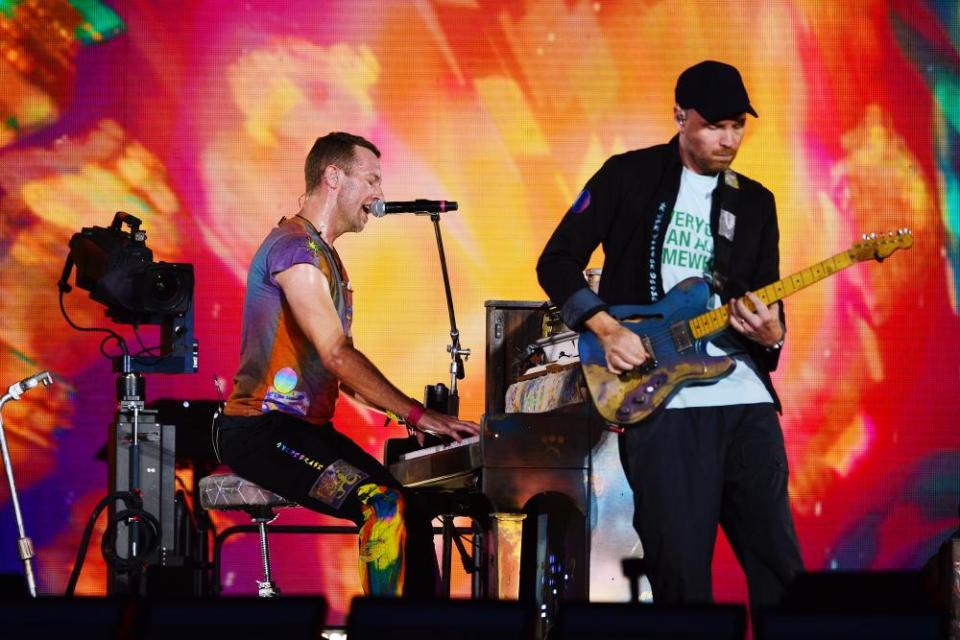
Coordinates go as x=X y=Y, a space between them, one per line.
x=778 y=346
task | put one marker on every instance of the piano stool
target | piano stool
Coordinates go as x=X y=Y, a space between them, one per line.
x=230 y=492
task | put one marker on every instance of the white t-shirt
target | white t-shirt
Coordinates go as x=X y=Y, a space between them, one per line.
x=688 y=252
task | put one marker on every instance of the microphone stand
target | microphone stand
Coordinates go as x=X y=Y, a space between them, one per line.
x=24 y=544
x=457 y=353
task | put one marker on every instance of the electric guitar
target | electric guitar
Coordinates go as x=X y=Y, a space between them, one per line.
x=675 y=330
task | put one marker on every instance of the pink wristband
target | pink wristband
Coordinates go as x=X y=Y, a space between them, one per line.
x=415 y=414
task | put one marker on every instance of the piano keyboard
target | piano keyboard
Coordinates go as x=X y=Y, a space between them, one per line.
x=508 y=441
x=429 y=451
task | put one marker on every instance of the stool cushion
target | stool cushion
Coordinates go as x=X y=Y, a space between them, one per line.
x=228 y=491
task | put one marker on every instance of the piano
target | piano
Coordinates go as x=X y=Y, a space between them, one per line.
x=525 y=480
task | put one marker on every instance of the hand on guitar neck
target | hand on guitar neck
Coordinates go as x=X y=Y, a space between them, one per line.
x=755 y=320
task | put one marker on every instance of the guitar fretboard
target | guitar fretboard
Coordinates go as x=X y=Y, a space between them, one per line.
x=715 y=321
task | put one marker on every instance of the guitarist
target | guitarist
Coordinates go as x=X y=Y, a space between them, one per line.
x=714 y=454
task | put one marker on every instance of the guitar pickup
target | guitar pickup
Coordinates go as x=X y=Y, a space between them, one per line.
x=680 y=333
x=651 y=362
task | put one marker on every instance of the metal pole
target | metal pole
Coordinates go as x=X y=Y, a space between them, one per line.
x=131 y=391
x=24 y=544
x=457 y=353
x=446 y=553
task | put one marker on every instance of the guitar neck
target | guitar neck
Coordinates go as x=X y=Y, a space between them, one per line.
x=713 y=322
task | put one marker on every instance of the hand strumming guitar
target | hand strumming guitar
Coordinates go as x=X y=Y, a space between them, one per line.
x=623 y=348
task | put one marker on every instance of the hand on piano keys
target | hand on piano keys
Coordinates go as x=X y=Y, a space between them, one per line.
x=439 y=424
x=430 y=423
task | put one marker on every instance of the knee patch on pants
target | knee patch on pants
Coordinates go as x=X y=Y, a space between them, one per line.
x=382 y=539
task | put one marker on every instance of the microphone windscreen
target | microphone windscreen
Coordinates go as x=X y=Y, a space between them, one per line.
x=378 y=209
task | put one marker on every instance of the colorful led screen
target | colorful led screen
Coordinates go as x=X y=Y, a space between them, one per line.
x=196 y=117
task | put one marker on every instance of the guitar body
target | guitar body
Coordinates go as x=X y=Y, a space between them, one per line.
x=677 y=359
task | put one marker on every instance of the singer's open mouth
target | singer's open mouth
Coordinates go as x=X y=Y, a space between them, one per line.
x=366 y=208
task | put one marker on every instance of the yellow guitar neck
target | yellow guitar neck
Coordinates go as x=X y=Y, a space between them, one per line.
x=715 y=321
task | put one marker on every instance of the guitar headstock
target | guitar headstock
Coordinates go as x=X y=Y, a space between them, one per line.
x=877 y=246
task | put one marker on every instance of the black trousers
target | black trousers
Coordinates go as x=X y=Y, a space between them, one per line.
x=322 y=469
x=692 y=469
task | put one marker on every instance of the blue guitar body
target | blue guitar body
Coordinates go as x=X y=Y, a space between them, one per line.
x=677 y=358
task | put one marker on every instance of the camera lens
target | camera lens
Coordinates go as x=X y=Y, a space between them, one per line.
x=165 y=287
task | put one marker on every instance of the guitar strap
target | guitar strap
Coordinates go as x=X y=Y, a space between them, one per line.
x=723 y=221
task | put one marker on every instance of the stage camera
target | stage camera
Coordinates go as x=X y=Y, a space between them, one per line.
x=117 y=268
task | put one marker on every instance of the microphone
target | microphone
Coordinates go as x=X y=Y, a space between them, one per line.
x=19 y=388
x=379 y=208
x=43 y=377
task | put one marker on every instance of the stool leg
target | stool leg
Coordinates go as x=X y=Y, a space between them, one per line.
x=266 y=587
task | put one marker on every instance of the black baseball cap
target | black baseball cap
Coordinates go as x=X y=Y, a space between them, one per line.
x=714 y=89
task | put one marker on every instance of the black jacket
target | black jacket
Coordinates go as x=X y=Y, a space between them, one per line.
x=626 y=207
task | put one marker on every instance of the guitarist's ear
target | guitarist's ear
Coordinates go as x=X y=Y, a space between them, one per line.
x=679 y=115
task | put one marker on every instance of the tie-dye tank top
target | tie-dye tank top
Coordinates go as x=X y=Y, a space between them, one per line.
x=279 y=367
